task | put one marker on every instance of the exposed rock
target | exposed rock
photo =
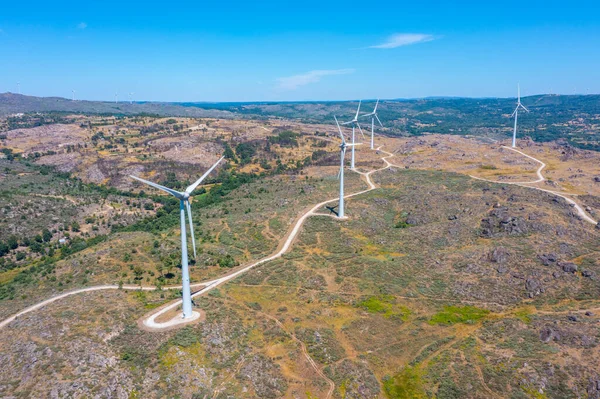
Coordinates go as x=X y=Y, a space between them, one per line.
x=549 y=334
x=501 y=269
x=548 y=259
x=358 y=380
x=588 y=274
x=568 y=267
x=533 y=287
x=499 y=255
x=500 y=223
x=572 y=317
x=265 y=376
x=593 y=388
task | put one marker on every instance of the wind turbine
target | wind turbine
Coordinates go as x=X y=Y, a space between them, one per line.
x=516 y=115
x=18 y=87
x=116 y=97
x=184 y=204
x=73 y=91
x=354 y=123
x=130 y=100
x=343 y=146
x=373 y=115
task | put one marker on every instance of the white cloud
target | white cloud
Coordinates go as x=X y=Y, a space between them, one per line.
x=404 y=39
x=293 y=82
x=81 y=25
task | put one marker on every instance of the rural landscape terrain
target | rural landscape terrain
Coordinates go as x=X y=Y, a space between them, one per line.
x=464 y=269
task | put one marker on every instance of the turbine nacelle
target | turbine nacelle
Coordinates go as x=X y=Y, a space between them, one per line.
x=184 y=197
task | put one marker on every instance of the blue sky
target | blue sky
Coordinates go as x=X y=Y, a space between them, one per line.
x=305 y=50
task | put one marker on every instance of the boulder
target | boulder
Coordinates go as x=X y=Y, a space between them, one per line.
x=548 y=259
x=568 y=267
x=499 y=255
x=533 y=287
x=549 y=334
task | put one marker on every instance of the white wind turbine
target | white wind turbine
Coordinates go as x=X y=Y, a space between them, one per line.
x=116 y=97
x=343 y=147
x=184 y=204
x=373 y=116
x=516 y=115
x=130 y=97
x=73 y=91
x=354 y=123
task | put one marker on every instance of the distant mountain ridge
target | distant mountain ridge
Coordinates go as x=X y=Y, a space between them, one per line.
x=11 y=103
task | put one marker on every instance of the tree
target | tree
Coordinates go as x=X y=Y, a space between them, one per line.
x=138 y=272
x=13 y=242
x=46 y=235
x=75 y=226
x=3 y=248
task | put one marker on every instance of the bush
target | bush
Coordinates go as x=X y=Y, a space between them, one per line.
x=227 y=261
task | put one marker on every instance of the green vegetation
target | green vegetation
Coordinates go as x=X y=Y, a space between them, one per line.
x=384 y=304
x=458 y=314
x=407 y=384
x=285 y=138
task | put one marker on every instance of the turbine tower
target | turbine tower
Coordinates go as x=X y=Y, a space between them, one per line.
x=373 y=116
x=130 y=97
x=184 y=204
x=516 y=115
x=73 y=91
x=18 y=87
x=354 y=123
x=343 y=147
x=116 y=97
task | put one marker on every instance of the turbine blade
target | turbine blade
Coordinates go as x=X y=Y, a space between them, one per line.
x=380 y=124
x=519 y=93
x=357 y=110
x=189 y=213
x=522 y=106
x=193 y=186
x=347 y=123
x=376 y=104
x=339 y=173
x=352 y=145
x=339 y=130
x=360 y=129
x=174 y=193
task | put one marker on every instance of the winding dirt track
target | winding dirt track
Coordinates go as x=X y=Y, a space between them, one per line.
x=541 y=178
x=151 y=323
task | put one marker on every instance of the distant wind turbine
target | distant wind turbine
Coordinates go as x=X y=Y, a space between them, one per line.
x=18 y=87
x=130 y=97
x=184 y=204
x=116 y=97
x=373 y=115
x=516 y=115
x=343 y=146
x=354 y=123
x=73 y=94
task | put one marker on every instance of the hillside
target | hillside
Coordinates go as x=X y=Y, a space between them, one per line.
x=438 y=285
x=574 y=118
